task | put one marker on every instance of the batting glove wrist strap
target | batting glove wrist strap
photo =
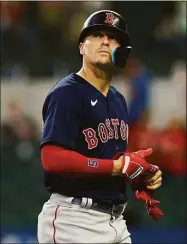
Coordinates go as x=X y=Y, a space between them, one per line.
x=134 y=166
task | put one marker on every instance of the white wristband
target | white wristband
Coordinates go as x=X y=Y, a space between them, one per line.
x=127 y=160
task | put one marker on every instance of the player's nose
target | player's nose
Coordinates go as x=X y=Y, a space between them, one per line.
x=105 y=40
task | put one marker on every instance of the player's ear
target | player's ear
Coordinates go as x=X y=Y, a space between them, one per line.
x=81 y=48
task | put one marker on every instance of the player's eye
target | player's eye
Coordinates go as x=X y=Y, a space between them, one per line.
x=114 y=36
x=111 y=36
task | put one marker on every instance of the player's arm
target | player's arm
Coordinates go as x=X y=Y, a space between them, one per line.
x=62 y=113
x=56 y=159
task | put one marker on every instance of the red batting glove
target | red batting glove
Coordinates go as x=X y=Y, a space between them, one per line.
x=135 y=166
x=146 y=195
x=135 y=169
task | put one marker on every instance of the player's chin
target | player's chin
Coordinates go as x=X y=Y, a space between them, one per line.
x=109 y=67
x=104 y=59
x=105 y=62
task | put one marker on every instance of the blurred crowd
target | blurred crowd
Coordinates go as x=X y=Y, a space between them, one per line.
x=17 y=125
x=168 y=142
x=39 y=38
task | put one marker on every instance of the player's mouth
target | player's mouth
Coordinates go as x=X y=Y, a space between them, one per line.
x=104 y=52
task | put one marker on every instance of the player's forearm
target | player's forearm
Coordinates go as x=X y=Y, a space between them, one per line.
x=58 y=160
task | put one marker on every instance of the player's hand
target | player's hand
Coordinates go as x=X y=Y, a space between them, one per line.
x=134 y=165
x=153 y=182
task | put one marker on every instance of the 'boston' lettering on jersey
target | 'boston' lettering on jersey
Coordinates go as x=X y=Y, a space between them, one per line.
x=106 y=132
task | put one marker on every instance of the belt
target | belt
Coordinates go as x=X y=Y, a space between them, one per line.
x=106 y=206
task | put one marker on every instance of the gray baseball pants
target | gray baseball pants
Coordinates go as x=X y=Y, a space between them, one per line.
x=61 y=221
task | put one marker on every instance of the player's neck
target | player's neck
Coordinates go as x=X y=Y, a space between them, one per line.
x=98 y=78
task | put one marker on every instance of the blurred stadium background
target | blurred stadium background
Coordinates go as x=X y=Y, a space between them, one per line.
x=38 y=47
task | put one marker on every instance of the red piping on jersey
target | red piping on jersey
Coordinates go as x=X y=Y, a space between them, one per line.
x=54 y=227
x=56 y=159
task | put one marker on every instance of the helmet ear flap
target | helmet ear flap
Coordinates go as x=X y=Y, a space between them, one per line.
x=120 y=56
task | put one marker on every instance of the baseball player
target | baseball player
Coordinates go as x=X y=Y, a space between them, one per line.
x=84 y=142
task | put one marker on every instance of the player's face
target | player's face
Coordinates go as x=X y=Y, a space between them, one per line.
x=97 y=47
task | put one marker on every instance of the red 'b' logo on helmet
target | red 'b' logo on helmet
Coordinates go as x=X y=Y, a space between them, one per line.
x=109 y=18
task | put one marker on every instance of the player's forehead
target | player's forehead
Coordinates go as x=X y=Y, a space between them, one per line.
x=110 y=32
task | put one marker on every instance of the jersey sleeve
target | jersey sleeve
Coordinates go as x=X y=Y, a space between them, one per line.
x=61 y=114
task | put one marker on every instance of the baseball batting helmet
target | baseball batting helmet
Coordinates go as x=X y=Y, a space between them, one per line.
x=107 y=19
